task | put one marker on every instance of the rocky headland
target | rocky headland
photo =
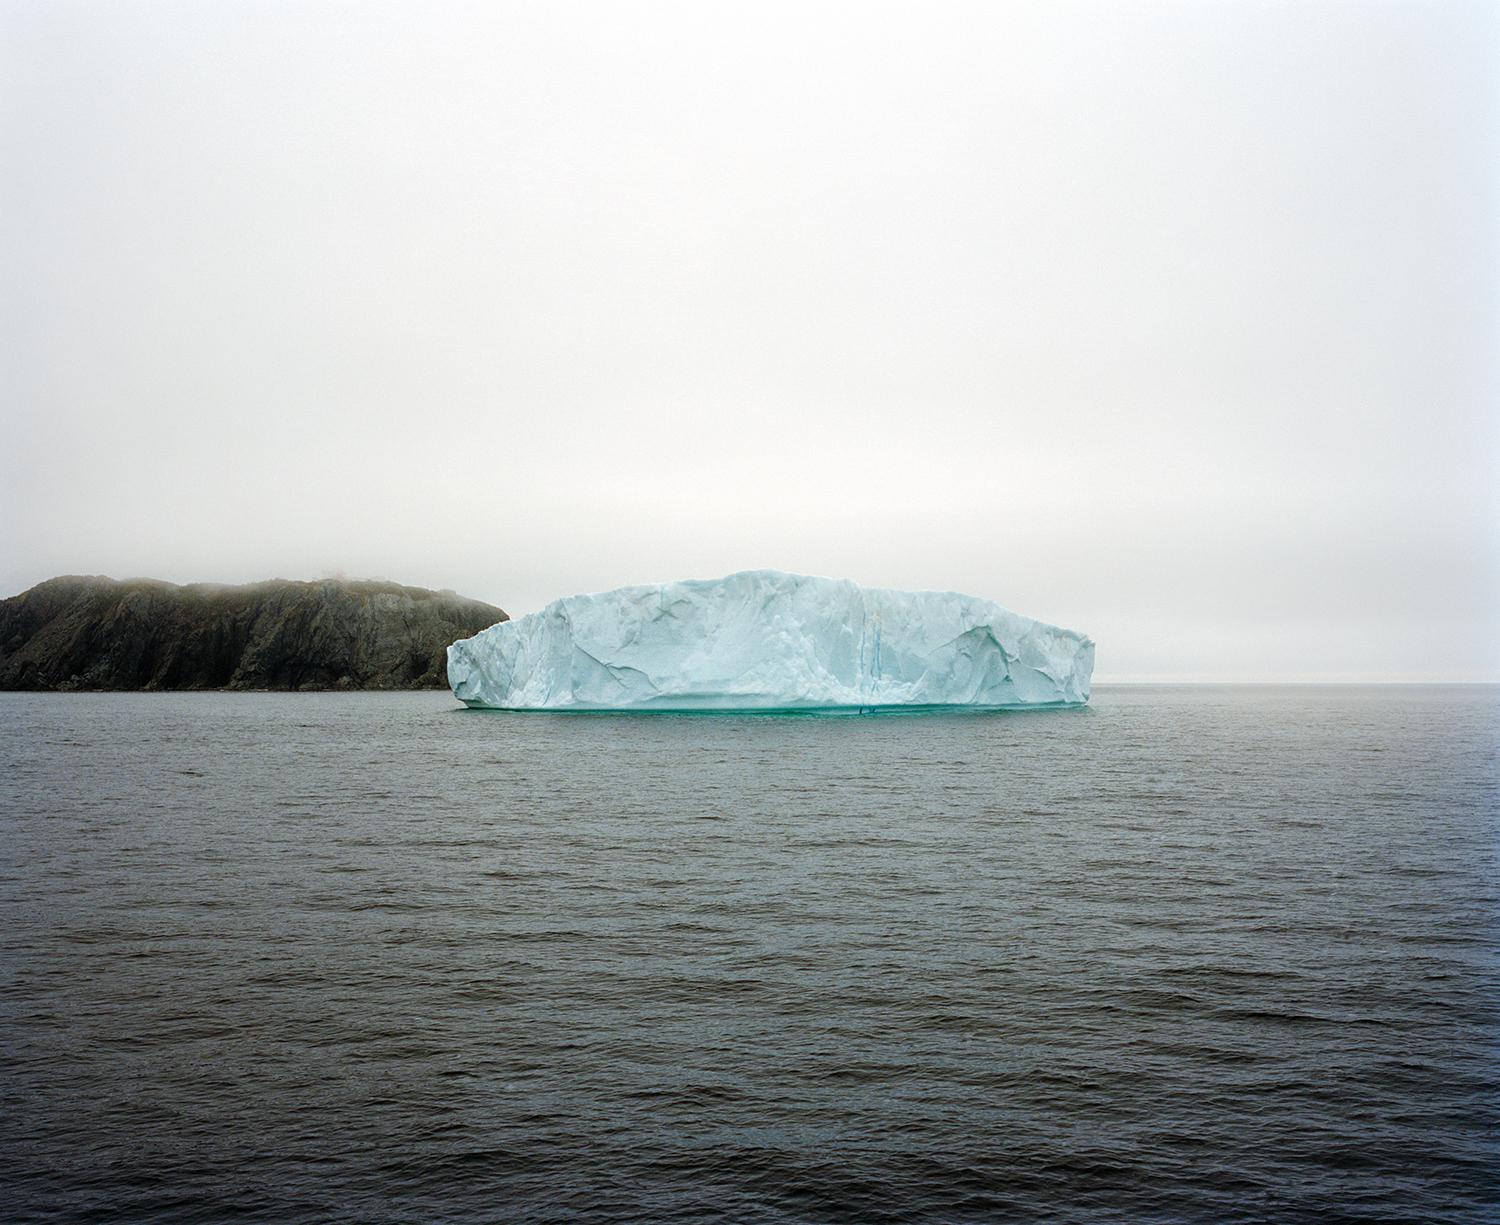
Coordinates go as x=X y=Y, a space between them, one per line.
x=97 y=633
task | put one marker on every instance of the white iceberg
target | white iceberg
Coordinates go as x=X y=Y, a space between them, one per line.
x=764 y=640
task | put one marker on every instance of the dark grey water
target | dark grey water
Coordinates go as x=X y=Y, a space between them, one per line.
x=1192 y=954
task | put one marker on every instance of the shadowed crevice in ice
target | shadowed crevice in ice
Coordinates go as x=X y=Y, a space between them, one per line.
x=766 y=641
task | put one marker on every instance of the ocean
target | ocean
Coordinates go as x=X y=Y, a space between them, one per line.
x=1192 y=953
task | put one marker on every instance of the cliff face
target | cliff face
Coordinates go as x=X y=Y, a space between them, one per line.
x=96 y=633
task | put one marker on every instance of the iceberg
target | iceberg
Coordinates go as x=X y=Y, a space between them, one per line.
x=762 y=640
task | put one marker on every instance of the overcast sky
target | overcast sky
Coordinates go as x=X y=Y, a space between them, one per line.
x=1175 y=323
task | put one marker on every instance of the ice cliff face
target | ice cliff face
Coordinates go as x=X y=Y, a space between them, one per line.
x=763 y=640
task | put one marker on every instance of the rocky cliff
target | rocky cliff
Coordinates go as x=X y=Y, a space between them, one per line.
x=96 y=633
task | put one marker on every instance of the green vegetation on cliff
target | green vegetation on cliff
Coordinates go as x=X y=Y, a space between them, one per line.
x=96 y=633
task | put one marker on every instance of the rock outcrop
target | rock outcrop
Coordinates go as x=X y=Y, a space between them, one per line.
x=96 y=633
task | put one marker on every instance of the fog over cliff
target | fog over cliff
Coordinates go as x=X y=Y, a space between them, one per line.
x=1175 y=320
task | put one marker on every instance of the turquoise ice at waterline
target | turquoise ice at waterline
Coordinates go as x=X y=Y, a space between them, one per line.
x=763 y=640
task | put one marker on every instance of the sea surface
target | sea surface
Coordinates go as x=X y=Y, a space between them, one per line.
x=1190 y=954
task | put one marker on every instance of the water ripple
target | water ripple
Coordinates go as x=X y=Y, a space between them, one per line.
x=1192 y=954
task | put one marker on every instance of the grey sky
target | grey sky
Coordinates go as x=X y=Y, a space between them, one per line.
x=1174 y=323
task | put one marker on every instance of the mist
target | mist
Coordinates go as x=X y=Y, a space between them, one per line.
x=1173 y=323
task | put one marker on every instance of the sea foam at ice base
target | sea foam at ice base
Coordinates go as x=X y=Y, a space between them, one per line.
x=765 y=640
